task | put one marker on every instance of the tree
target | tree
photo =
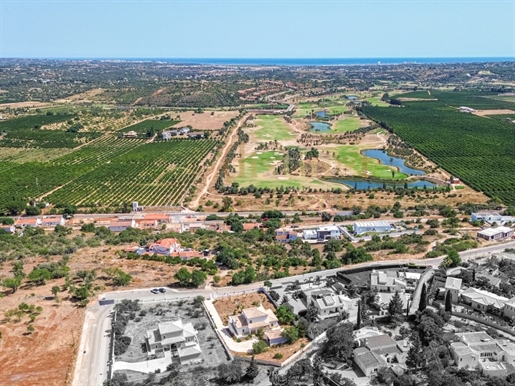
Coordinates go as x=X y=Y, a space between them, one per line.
x=358 y=321
x=55 y=290
x=326 y=216
x=414 y=359
x=448 y=301
x=39 y=276
x=340 y=341
x=12 y=283
x=198 y=278
x=259 y=347
x=291 y=333
x=32 y=211
x=267 y=284
x=226 y=204
x=423 y=298
x=395 y=307
x=253 y=370
x=285 y=315
x=183 y=276
x=312 y=312
x=452 y=259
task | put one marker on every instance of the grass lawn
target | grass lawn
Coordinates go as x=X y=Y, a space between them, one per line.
x=256 y=163
x=257 y=170
x=272 y=127
x=344 y=125
x=350 y=155
x=376 y=101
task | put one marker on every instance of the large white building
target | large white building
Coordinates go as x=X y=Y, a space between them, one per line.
x=361 y=227
x=177 y=339
x=491 y=217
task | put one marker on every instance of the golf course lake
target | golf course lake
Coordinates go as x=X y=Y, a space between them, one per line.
x=364 y=185
x=322 y=114
x=389 y=160
x=320 y=127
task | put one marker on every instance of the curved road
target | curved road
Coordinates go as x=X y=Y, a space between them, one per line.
x=91 y=365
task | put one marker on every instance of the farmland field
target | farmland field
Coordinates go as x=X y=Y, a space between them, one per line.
x=108 y=171
x=415 y=95
x=32 y=121
x=145 y=125
x=151 y=173
x=480 y=151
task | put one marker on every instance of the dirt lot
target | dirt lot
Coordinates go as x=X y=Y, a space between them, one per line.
x=206 y=121
x=324 y=201
x=47 y=357
x=232 y=305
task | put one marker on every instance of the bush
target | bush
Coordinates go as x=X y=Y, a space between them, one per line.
x=121 y=345
x=259 y=347
x=278 y=356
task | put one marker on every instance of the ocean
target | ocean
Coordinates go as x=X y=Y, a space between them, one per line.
x=317 y=61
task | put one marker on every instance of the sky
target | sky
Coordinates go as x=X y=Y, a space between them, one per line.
x=256 y=28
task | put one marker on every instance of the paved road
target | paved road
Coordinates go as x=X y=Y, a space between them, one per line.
x=91 y=366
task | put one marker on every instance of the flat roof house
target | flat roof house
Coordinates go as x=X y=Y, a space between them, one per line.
x=387 y=281
x=176 y=339
x=328 y=232
x=499 y=233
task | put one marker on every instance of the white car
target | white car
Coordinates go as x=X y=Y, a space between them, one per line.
x=154 y=290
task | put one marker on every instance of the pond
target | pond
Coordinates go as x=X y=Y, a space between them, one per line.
x=320 y=127
x=364 y=185
x=392 y=161
x=322 y=114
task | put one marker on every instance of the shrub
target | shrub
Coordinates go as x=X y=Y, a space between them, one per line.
x=278 y=356
x=259 y=347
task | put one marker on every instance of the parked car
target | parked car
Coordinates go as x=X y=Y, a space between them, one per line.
x=154 y=290
x=162 y=290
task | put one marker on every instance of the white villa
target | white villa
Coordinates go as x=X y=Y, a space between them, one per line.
x=164 y=247
x=252 y=319
x=330 y=305
x=479 y=350
x=176 y=339
x=391 y=281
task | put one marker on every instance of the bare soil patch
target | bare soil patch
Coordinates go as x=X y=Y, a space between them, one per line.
x=47 y=357
x=482 y=113
x=206 y=120
x=15 y=105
